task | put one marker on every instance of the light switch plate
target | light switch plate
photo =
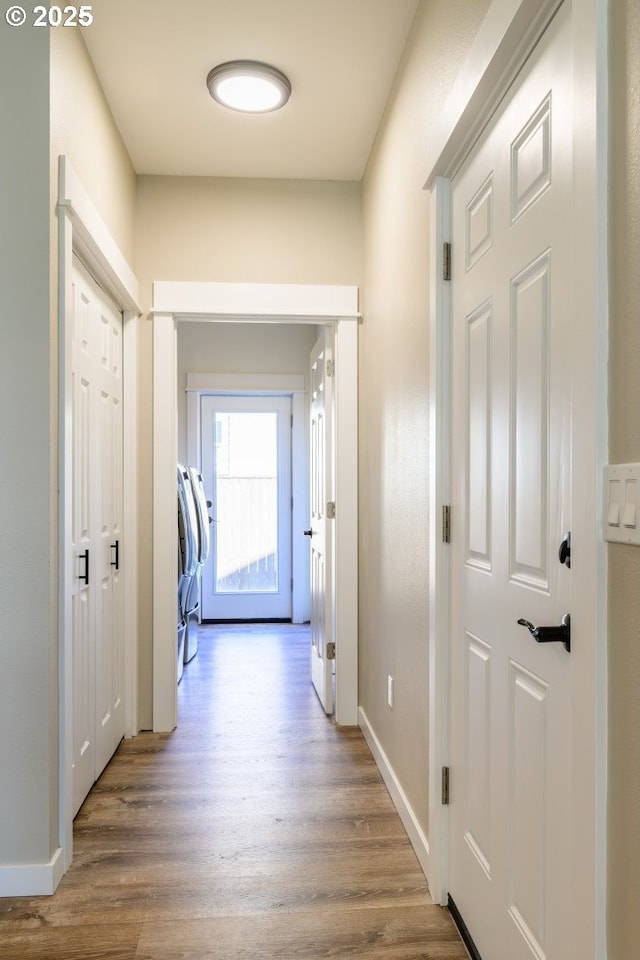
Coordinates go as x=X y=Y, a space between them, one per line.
x=621 y=518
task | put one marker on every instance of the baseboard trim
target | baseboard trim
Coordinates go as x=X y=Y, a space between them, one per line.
x=32 y=879
x=415 y=832
x=463 y=930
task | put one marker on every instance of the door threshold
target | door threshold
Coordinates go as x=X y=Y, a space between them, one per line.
x=251 y=620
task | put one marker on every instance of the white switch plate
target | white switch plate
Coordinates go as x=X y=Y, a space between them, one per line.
x=621 y=515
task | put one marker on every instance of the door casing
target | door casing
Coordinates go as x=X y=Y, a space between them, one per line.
x=337 y=306
x=509 y=32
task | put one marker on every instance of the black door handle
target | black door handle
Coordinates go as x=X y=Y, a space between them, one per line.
x=116 y=563
x=557 y=634
x=564 y=553
x=84 y=576
x=308 y=533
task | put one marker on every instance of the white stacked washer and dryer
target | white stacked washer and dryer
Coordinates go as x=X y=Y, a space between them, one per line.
x=193 y=551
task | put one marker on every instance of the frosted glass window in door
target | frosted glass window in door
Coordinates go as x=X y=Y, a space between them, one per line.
x=246 y=498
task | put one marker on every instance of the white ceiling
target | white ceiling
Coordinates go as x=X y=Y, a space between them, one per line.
x=153 y=57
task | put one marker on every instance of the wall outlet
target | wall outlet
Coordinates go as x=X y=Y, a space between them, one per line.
x=390 y=690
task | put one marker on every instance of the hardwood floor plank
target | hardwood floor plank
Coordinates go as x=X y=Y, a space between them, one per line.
x=394 y=934
x=257 y=829
x=74 y=941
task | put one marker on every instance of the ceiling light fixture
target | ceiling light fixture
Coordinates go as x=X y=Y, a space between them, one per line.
x=249 y=86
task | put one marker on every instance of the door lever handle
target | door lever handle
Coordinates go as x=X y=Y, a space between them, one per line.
x=308 y=533
x=84 y=576
x=116 y=563
x=556 y=634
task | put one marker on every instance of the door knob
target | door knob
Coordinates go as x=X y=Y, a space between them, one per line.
x=564 y=553
x=556 y=634
x=308 y=533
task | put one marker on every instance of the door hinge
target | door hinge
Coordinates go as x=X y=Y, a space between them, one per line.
x=445 y=786
x=446 y=524
x=331 y=650
x=330 y=368
x=446 y=261
x=331 y=510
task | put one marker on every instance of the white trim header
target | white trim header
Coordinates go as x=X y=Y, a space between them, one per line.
x=93 y=241
x=508 y=33
x=245 y=383
x=236 y=301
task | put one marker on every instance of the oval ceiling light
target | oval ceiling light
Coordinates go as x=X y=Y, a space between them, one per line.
x=249 y=86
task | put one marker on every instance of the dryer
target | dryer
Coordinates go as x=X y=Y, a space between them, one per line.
x=202 y=505
x=187 y=559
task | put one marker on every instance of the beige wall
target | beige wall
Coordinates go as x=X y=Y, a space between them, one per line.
x=83 y=128
x=253 y=231
x=394 y=389
x=624 y=419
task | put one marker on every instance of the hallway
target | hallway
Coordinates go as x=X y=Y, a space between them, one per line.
x=256 y=830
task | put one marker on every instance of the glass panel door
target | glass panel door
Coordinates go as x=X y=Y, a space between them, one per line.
x=246 y=463
x=246 y=496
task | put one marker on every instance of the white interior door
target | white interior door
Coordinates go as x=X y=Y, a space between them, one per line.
x=319 y=532
x=512 y=734
x=246 y=467
x=97 y=625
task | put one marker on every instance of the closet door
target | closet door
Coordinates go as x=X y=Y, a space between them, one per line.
x=98 y=651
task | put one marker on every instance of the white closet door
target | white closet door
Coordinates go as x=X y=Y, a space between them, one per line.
x=98 y=636
x=83 y=546
x=515 y=831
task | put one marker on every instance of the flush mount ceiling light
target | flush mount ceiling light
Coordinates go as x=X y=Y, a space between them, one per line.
x=249 y=86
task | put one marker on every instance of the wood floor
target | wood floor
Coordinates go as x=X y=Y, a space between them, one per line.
x=257 y=830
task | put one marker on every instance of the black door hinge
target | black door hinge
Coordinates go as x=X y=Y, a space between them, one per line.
x=446 y=261
x=445 y=786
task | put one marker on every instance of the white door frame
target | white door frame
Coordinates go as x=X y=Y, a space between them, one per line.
x=81 y=230
x=337 y=306
x=509 y=32
x=265 y=385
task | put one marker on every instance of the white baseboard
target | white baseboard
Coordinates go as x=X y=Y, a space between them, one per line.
x=415 y=832
x=32 y=879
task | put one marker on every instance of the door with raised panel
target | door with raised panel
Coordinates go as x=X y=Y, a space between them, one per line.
x=512 y=735
x=97 y=621
x=319 y=531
